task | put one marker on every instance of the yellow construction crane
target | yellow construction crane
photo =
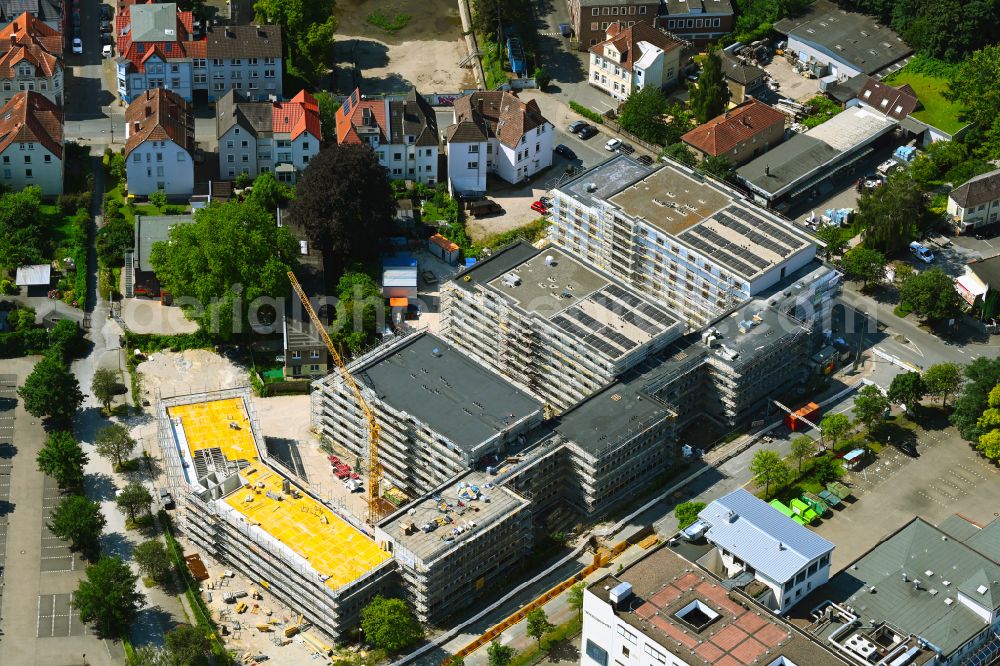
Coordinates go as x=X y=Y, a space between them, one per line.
x=374 y=429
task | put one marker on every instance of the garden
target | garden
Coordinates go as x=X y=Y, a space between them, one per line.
x=929 y=79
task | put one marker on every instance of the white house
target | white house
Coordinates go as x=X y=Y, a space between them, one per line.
x=261 y=137
x=159 y=140
x=495 y=132
x=31 y=143
x=30 y=59
x=634 y=57
x=402 y=131
x=752 y=536
x=976 y=202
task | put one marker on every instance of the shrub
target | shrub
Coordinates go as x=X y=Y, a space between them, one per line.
x=158 y=198
x=589 y=114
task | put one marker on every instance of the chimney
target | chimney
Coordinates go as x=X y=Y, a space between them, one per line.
x=13 y=40
x=260 y=32
x=767 y=169
x=149 y=111
x=230 y=34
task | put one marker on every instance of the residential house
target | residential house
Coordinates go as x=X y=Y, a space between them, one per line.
x=895 y=103
x=51 y=12
x=31 y=59
x=262 y=137
x=979 y=286
x=976 y=202
x=31 y=143
x=495 y=132
x=698 y=21
x=738 y=135
x=159 y=141
x=632 y=58
x=402 y=131
x=304 y=351
x=157 y=50
x=592 y=18
x=743 y=79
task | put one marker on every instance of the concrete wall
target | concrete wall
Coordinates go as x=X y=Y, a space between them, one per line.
x=591 y=23
x=806 y=50
x=175 y=75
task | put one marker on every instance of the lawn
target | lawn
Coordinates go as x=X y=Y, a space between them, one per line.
x=937 y=110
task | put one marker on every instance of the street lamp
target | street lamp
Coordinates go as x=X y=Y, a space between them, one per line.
x=111 y=121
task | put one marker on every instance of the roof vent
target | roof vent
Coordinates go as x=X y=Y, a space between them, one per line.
x=949 y=601
x=550 y=260
x=436 y=352
x=982 y=589
x=591 y=187
x=782 y=546
x=619 y=594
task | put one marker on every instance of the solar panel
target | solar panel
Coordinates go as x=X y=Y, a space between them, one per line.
x=623 y=295
x=586 y=320
x=619 y=339
x=569 y=327
x=731 y=222
x=632 y=317
x=773 y=228
x=724 y=252
x=657 y=315
x=733 y=248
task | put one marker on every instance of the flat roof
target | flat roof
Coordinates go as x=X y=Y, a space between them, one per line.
x=209 y=429
x=670 y=199
x=150 y=229
x=456 y=397
x=435 y=524
x=33 y=275
x=586 y=305
x=604 y=179
x=801 y=156
x=737 y=633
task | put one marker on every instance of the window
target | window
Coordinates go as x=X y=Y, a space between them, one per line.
x=244 y=143
x=175 y=69
x=698 y=23
x=305 y=145
x=268 y=73
x=595 y=11
x=626 y=634
x=219 y=86
x=137 y=158
x=27 y=173
x=237 y=61
x=474 y=148
x=6 y=85
x=27 y=159
x=642 y=9
x=159 y=172
x=200 y=63
x=296 y=355
x=251 y=61
x=595 y=25
x=175 y=82
x=716 y=23
x=217 y=62
x=596 y=653
x=268 y=61
x=314 y=367
x=245 y=157
x=473 y=165
x=6 y=159
x=6 y=173
x=180 y=156
x=314 y=353
x=48 y=159
x=230 y=158
x=395 y=156
x=614 y=11
x=201 y=78
x=625 y=651
x=159 y=157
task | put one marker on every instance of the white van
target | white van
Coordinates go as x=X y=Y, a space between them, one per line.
x=921 y=252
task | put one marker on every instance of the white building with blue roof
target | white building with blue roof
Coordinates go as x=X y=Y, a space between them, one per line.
x=752 y=537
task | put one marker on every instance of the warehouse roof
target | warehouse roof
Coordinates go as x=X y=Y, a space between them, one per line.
x=754 y=531
x=461 y=400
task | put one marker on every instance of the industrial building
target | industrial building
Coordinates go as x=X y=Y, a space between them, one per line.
x=235 y=505
x=440 y=411
x=548 y=321
x=689 y=243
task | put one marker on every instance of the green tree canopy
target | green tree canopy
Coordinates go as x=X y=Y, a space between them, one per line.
x=389 y=624
x=832 y=238
x=973 y=85
x=62 y=458
x=308 y=27
x=768 y=470
x=189 y=646
x=943 y=380
x=710 y=95
x=931 y=294
x=642 y=114
x=803 y=446
x=891 y=215
x=870 y=406
x=133 y=499
x=114 y=444
x=538 y=624
x=328 y=106
x=687 y=512
x=907 y=389
x=575 y=596
x=499 y=654
x=231 y=255
x=361 y=312
x=834 y=427
x=680 y=152
x=52 y=392
x=108 y=598
x=66 y=339
x=153 y=559
x=79 y=521
x=104 y=386
x=864 y=264
x=269 y=193
x=21 y=233
x=719 y=167
x=982 y=374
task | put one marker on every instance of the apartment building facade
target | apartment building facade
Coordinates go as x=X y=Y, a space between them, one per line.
x=592 y=18
x=31 y=59
x=632 y=58
x=159 y=144
x=31 y=143
x=698 y=21
x=267 y=137
x=402 y=131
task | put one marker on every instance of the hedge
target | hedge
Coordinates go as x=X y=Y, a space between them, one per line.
x=589 y=114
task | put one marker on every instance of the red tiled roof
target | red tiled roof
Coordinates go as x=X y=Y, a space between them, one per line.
x=723 y=133
x=300 y=114
x=351 y=114
x=26 y=29
x=30 y=117
x=159 y=115
x=626 y=41
x=138 y=52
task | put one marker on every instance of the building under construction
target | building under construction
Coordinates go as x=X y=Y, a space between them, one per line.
x=548 y=321
x=240 y=509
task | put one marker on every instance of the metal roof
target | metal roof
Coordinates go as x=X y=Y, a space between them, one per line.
x=151 y=229
x=758 y=534
x=33 y=276
x=154 y=23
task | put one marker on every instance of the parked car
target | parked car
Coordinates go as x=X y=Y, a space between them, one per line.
x=106 y=12
x=484 y=207
x=587 y=132
x=907 y=447
x=166 y=500
x=576 y=126
x=565 y=151
x=695 y=530
x=626 y=148
x=77 y=45
x=539 y=207
x=107 y=39
x=645 y=160
x=612 y=145
x=105 y=26
x=429 y=277
x=546 y=201
x=921 y=252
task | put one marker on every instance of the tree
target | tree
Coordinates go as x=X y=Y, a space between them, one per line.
x=832 y=238
x=188 y=646
x=575 y=597
x=891 y=215
x=870 y=406
x=108 y=597
x=114 y=443
x=52 y=392
x=158 y=198
x=866 y=265
x=768 y=470
x=21 y=231
x=113 y=239
x=104 y=386
x=152 y=559
x=719 y=167
x=710 y=95
x=79 y=521
x=541 y=77
x=931 y=294
x=973 y=85
x=308 y=27
x=230 y=256
x=66 y=338
x=802 y=447
x=345 y=203
x=269 y=193
x=133 y=499
x=360 y=310
x=679 y=152
x=389 y=624
x=328 y=106
x=907 y=389
x=538 y=624
x=118 y=168
x=981 y=375
x=499 y=654
x=456 y=660
x=152 y=655
x=687 y=512
x=943 y=380
x=642 y=114
x=62 y=458
x=833 y=427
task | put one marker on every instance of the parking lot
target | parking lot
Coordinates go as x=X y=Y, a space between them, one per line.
x=8 y=388
x=56 y=554
x=57 y=618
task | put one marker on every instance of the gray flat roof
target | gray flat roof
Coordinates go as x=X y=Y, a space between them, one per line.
x=150 y=229
x=603 y=180
x=671 y=199
x=430 y=380
x=492 y=504
x=792 y=162
x=154 y=23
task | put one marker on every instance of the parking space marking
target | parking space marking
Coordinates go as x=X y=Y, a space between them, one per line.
x=57 y=618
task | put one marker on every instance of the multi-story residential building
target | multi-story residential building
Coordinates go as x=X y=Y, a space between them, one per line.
x=157 y=50
x=742 y=78
x=698 y=21
x=266 y=137
x=440 y=411
x=31 y=143
x=53 y=13
x=159 y=142
x=592 y=18
x=402 y=131
x=31 y=59
x=738 y=135
x=551 y=323
x=495 y=132
x=634 y=57
x=976 y=202
x=689 y=243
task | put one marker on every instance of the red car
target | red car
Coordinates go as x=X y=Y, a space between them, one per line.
x=539 y=207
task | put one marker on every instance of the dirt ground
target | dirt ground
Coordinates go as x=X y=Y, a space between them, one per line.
x=517 y=213
x=425 y=53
